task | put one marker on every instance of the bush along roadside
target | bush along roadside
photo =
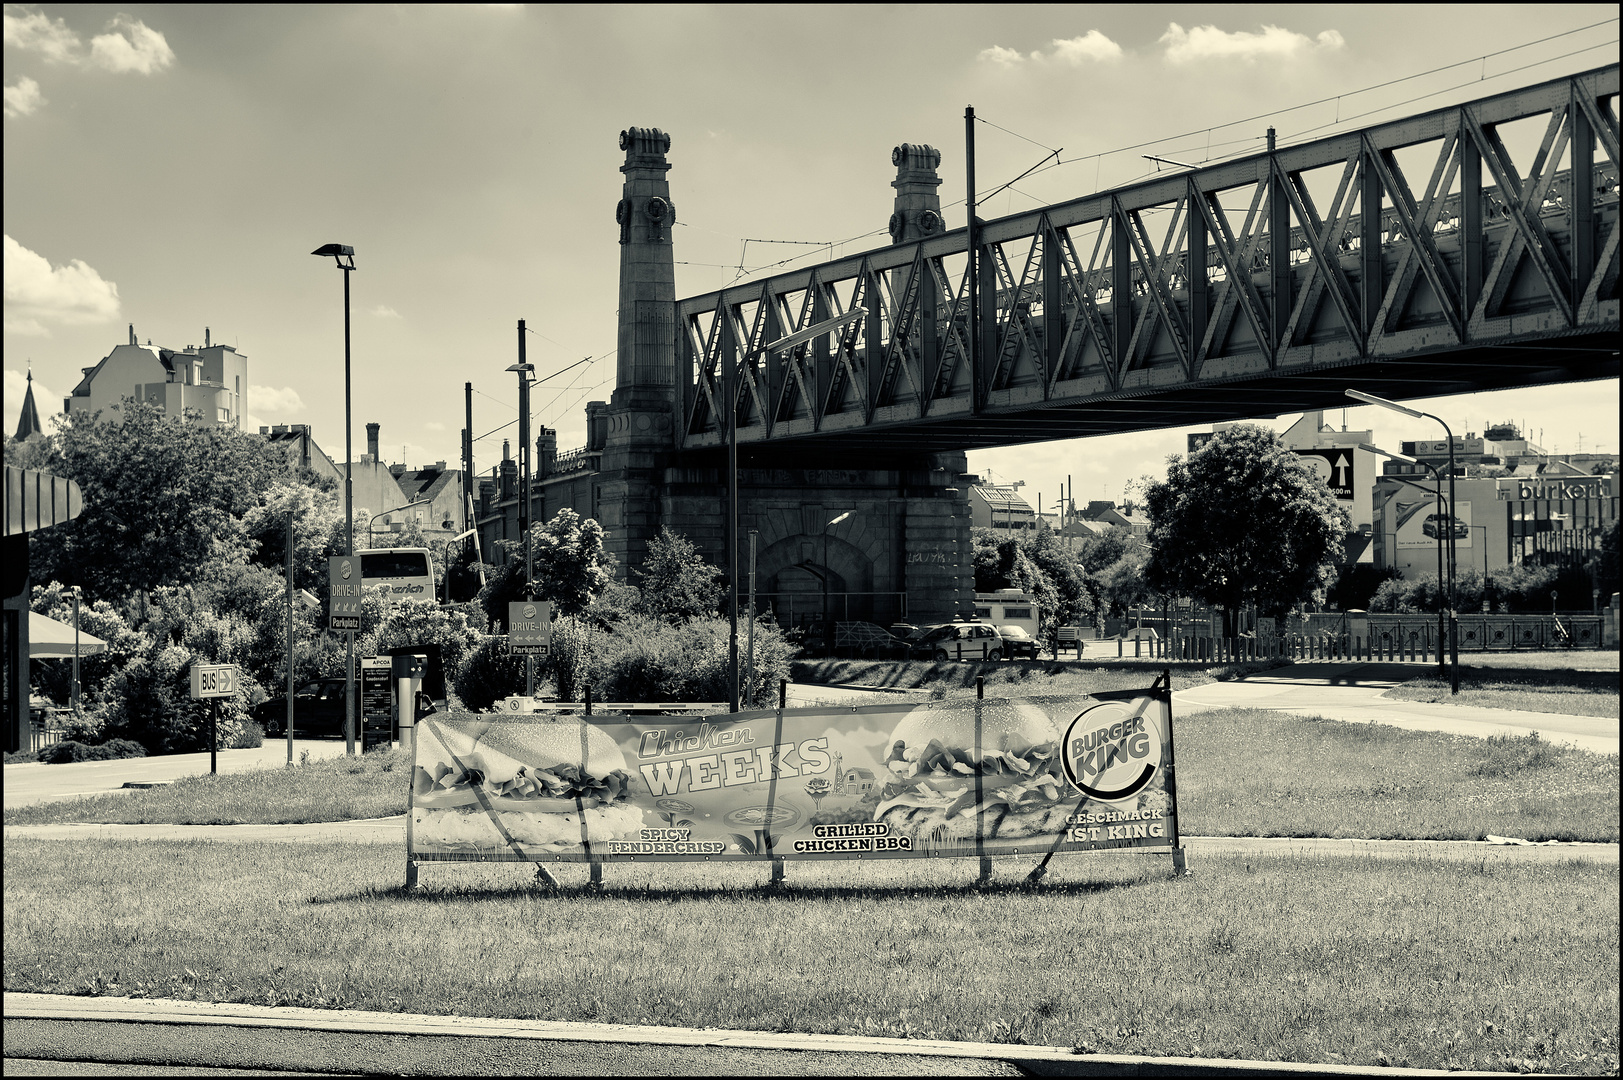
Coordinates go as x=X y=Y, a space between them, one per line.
x=68 y=751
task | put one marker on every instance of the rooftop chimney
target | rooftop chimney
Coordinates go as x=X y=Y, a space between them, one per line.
x=372 y=440
x=132 y=335
x=205 y=337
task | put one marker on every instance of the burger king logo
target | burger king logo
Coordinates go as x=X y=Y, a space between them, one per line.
x=344 y=569
x=529 y=611
x=1112 y=751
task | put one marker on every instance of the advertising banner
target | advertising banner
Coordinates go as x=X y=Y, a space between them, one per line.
x=929 y=779
x=1418 y=521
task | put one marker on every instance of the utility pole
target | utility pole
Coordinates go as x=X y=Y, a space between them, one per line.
x=524 y=491
x=973 y=269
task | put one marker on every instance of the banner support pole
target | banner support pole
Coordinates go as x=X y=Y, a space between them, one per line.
x=985 y=877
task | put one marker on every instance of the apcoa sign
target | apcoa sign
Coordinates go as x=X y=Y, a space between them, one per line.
x=344 y=582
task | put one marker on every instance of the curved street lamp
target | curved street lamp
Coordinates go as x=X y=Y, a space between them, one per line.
x=1448 y=509
x=1448 y=433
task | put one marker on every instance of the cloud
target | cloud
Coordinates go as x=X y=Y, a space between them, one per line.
x=132 y=46
x=24 y=98
x=1210 y=43
x=32 y=31
x=37 y=294
x=1079 y=50
x=383 y=311
x=273 y=399
x=997 y=54
x=129 y=45
x=434 y=425
x=46 y=400
x=1089 y=47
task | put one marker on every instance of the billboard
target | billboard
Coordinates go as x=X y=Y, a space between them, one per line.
x=929 y=779
x=1418 y=521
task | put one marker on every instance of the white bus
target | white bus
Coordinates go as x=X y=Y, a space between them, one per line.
x=407 y=573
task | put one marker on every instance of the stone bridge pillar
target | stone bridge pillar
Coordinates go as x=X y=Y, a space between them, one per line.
x=637 y=424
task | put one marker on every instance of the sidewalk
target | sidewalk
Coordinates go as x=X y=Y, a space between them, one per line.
x=270 y=1037
x=1355 y=693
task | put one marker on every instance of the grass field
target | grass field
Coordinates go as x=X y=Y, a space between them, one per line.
x=1348 y=960
x=1241 y=772
x=1551 y=690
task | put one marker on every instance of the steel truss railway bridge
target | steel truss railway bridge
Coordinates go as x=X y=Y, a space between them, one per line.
x=1470 y=248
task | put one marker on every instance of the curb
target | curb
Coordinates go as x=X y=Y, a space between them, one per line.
x=1038 y=1060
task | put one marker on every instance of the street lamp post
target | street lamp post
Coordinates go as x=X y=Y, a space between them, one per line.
x=340 y=253
x=1447 y=509
x=828 y=635
x=524 y=371
x=1448 y=433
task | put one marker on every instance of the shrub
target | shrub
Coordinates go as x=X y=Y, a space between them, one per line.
x=152 y=705
x=650 y=660
x=489 y=672
x=22 y=757
x=69 y=751
x=250 y=736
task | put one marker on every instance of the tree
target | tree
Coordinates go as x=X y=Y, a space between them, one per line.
x=677 y=584
x=161 y=499
x=571 y=568
x=1243 y=520
x=317 y=515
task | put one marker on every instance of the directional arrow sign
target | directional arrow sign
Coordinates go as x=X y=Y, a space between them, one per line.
x=1333 y=465
x=214 y=680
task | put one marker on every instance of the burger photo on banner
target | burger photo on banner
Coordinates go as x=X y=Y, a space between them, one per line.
x=532 y=778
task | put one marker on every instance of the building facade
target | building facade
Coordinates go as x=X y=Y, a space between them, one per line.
x=209 y=380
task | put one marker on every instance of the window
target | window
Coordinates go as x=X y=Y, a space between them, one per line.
x=1017 y=613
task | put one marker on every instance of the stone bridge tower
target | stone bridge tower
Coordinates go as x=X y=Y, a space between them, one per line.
x=902 y=546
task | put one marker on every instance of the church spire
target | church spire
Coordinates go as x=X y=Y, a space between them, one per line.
x=28 y=422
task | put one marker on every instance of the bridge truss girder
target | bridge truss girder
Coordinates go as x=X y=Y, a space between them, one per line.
x=1217 y=294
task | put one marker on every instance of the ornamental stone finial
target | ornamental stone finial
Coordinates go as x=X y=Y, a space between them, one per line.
x=918 y=206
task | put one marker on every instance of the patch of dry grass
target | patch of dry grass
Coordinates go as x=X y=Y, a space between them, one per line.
x=1354 y=961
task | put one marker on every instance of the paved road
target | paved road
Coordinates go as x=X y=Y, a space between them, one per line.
x=245 y=1036
x=34 y=782
x=1354 y=692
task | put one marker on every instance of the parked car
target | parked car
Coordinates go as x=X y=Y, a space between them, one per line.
x=1017 y=643
x=953 y=641
x=318 y=711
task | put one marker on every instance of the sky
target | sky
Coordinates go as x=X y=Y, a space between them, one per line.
x=172 y=167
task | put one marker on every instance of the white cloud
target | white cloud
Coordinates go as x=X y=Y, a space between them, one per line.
x=24 y=98
x=434 y=425
x=273 y=399
x=1210 y=43
x=1090 y=46
x=37 y=294
x=46 y=400
x=997 y=54
x=32 y=31
x=383 y=311
x=131 y=46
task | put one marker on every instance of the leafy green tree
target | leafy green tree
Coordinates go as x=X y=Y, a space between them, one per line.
x=316 y=516
x=1355 y=586
x=677 y=584
x=571 y=568
x=161 y=499
x=423 y=622
x=1243 y=520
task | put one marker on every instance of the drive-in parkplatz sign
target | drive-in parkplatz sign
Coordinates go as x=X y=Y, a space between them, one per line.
x=529 y=627
x=344 y=580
